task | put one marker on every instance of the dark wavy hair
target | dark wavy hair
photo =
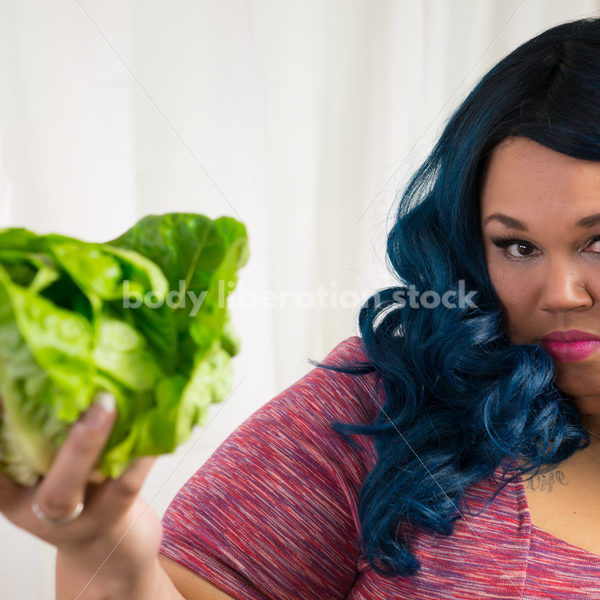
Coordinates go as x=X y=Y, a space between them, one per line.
x=459 y=397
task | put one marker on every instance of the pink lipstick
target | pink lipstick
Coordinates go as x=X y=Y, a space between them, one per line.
x=571 y=345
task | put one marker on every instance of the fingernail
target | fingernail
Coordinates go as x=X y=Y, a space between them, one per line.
x=97 y=415
x=106 y=400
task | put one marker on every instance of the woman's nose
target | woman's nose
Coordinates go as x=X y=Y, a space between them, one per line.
x=564 y=288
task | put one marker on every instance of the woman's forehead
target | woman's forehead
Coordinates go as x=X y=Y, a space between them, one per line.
x=525 y=176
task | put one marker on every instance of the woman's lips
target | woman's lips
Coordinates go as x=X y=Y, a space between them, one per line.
x=572 y=351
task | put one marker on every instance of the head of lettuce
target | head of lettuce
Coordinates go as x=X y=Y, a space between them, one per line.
x=143 y=316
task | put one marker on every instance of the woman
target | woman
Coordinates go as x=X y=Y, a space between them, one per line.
x=450 y=452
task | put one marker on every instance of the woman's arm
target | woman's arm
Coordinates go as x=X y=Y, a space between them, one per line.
x=188 y=583
x=72 y=583
x=168 y=580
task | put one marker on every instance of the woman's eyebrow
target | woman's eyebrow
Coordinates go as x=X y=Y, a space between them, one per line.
x=506 y=220
x=588 y=221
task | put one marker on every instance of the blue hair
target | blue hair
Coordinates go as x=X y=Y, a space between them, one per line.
x=459 y=397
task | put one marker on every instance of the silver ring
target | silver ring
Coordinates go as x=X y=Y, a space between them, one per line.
x=39 y=513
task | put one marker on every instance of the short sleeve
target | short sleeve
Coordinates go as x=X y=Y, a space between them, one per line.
x=272 y=514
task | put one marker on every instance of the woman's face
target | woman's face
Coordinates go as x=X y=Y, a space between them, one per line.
x=540 y=219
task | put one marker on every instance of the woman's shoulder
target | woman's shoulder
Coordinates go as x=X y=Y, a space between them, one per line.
x=333 y=395
x=304 y=412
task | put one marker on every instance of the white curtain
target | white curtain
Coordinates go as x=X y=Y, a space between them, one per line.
x=302 y=119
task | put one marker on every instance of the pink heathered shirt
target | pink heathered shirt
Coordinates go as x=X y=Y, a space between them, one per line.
x=273 y=514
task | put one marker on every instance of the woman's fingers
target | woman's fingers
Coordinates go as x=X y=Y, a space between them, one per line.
x=63 y=487
x=115 y=521
x=11 y=493
x=115 y=496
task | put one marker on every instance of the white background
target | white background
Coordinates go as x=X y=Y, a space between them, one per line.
x=303 y=119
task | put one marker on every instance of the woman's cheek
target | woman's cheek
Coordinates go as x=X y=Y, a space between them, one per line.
x=518 y=308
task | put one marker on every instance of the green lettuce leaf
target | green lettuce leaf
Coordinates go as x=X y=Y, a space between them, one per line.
x=143 y=316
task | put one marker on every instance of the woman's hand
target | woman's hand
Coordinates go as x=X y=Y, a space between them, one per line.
x=117 y=535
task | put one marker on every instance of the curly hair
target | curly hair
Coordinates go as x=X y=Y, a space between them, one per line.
x=459 y=397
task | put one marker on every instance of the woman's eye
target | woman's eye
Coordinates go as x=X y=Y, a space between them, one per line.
x=516 y=248
x=519 y=249
x=595 y=245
